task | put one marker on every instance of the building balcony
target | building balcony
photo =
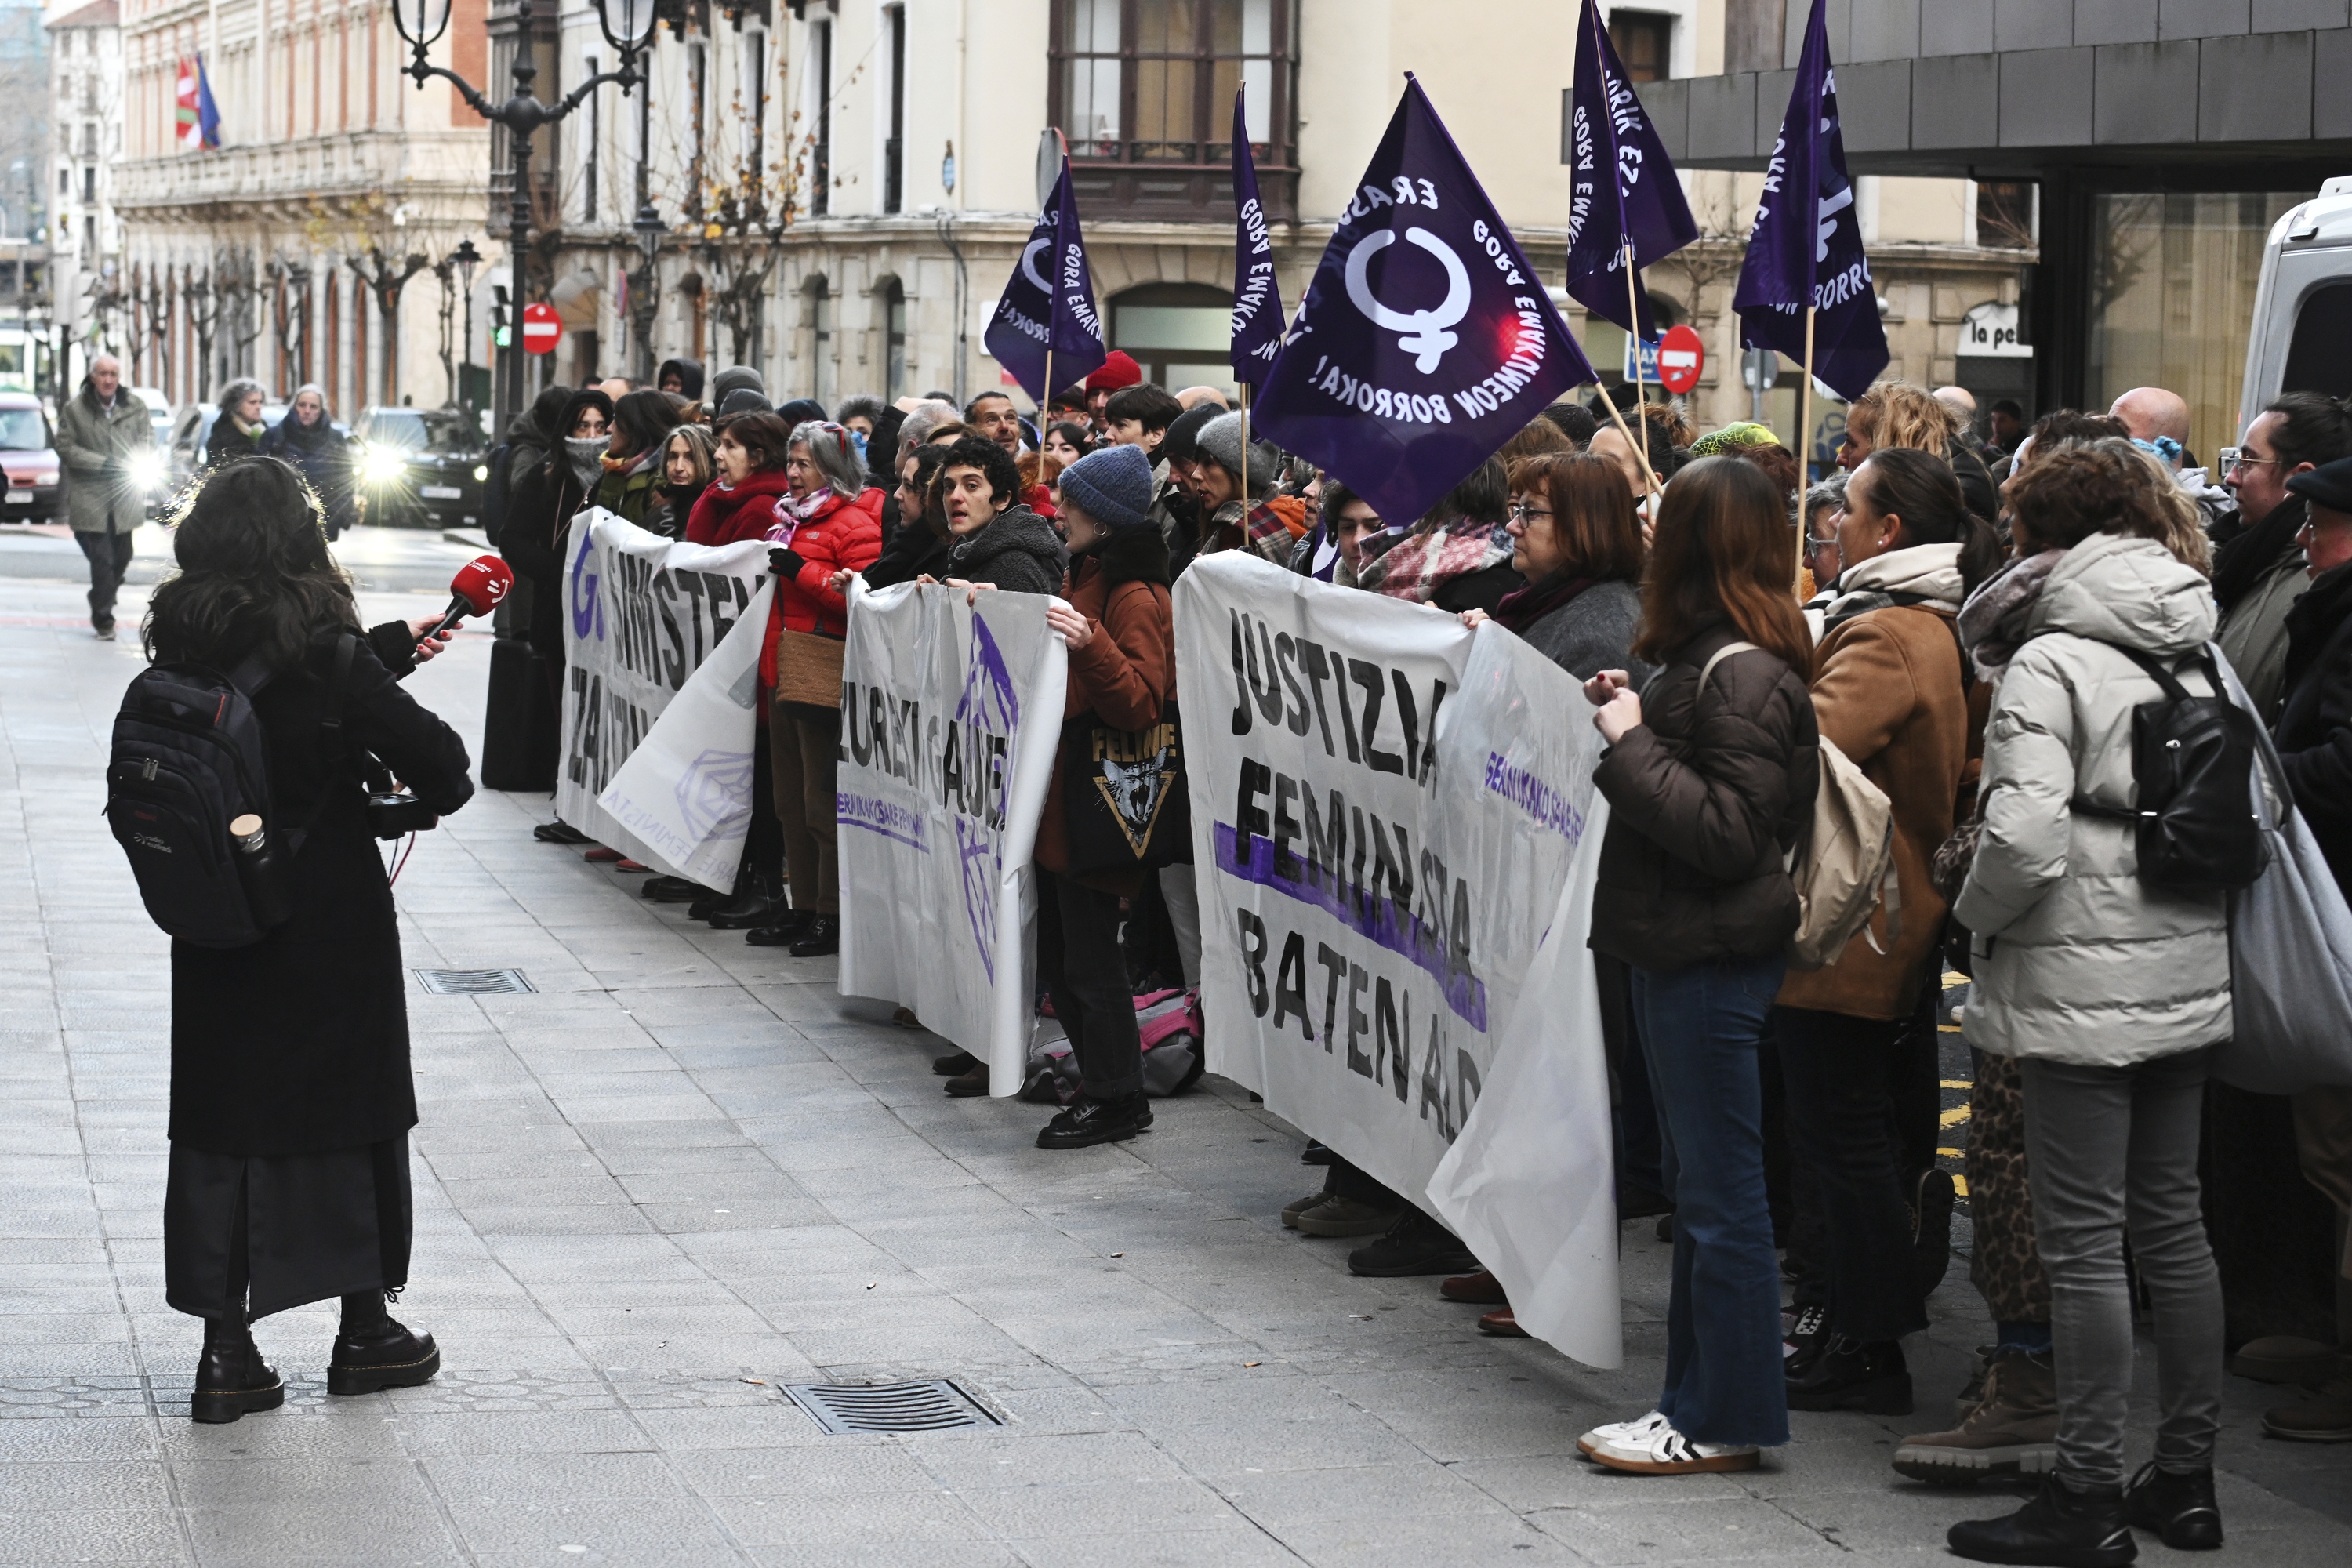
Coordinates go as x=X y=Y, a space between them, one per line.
x=397 y=165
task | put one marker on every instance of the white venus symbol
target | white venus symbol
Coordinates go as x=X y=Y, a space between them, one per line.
x=1423 y=332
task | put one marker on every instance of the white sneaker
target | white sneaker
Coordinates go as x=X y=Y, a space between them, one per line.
x=1663 y=1451
x=1633 y=1431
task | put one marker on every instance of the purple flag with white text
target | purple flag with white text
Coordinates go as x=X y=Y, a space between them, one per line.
x=1608 y=131
x=1257 y=302
x=1050 y=302
x=1427 y=339
x=1806 y=246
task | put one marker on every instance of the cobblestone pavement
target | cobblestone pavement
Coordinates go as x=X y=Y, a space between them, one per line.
x=685 y=1173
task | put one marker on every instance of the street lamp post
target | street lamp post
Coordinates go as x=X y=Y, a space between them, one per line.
x=468 y=258
x=628 y=26
x=645 y=297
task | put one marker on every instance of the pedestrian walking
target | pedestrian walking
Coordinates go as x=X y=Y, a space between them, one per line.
x=291 y=1091
x=103 y=435
x=238 y=425
x=307 y=439
x=1710 y=776
x=2108 y=990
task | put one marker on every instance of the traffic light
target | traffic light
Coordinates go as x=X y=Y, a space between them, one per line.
x=500 y=335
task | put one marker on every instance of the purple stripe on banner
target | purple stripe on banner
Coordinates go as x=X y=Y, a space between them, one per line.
x=1376 y=918
x=879 y=816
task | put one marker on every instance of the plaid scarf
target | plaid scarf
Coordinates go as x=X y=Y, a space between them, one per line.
x=1419 y=564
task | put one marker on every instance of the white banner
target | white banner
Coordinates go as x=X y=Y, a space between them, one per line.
x=641 y=613
x=950 y=715
x=1393 y=834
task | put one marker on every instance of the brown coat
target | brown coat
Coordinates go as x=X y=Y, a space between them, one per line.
x=1888 y=693
x=1124 y=675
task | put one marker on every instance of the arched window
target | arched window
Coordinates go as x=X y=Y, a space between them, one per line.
x=894 y=340
x=1179 y=333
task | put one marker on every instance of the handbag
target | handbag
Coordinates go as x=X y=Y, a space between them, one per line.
x=2290 y=951
x=1124 y=804
x=808 y=667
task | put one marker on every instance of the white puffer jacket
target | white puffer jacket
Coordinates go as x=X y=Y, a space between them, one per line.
x=2076 y=959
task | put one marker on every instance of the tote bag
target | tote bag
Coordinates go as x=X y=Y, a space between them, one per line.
x=2290 y=950
x=1125 y=805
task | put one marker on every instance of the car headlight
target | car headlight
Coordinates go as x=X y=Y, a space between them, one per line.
x=148 y=469
x=481 y=473
x=382 y=465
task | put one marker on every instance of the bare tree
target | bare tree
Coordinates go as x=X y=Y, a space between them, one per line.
x=292 y=275
x=203 y=304
x=384 y=279
x=238 y=291
x=445 y=270
x=150 y=324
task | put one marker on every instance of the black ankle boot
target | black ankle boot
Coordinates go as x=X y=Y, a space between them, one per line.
x=2179 y=1508
x=1090 y=1121
x=2060 y=1528
x=375 y=1351
x=232 y=1380
x=759 y=905
x=1843 y=1374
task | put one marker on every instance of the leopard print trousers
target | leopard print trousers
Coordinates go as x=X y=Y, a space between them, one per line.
x=2005 y=1266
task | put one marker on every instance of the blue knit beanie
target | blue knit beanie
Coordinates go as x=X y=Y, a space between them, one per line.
x=1112 y=486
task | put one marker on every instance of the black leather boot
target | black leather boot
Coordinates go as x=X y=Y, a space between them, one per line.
x=786 y=927
x=1090 y=1121
x=2060 y=1528
x=2179 y=1508
x=375 y=1351
x=672 y=891
x=232 y=1380
x=759 y=905
x=821 y=937
x=1843 y=1374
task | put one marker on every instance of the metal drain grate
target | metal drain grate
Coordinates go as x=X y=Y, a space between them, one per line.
x=932 y=1407
x=475 y=982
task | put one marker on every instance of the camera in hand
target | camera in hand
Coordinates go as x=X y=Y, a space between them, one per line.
x=395 y=814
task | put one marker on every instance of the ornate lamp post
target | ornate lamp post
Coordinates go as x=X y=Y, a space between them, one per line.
x=628 y=26
x=468 y=258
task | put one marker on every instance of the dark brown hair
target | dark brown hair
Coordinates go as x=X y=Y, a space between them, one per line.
x=763 y=433
x=1593 y=513
x=2077 y=491
x=1723 y=550
x=1919 y=488
x=1537 y=437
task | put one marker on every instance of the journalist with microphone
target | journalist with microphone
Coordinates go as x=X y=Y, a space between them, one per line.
x=291 y=1091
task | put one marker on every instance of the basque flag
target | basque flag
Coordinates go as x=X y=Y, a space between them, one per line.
x=197 y=118
x=1806 y=246
x=1257 y=299
x=1427 y=339
x=1608 y=129
x=1049 y=303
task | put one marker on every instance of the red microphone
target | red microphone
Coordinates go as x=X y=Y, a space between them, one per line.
x=480 y=587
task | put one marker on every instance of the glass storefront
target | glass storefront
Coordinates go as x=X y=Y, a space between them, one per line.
x=2172 y=298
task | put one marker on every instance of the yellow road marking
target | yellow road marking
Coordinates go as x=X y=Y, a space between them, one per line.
x=1953 y=1117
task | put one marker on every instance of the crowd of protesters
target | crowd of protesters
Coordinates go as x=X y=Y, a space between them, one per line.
x=1968 y=616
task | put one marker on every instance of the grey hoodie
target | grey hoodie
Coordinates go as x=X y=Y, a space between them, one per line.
x=2076 y=959
x=1018 y=552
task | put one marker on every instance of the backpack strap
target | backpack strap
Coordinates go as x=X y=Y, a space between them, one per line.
x=2153 y=668
x=1719 y=656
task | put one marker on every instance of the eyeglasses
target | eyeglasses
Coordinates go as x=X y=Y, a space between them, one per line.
x=2235 y=457
x=1524 y=514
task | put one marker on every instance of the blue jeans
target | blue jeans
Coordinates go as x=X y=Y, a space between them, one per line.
x=1700 y=1028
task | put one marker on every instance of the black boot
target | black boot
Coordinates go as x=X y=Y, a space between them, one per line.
x=1845 y=1374
x=787 y=927
x=672 y=889
x=375 y=1351
x=1414 y=1245
x=758 y=905
x=2060 y=1528
x=1089 y=1120
x=232 y=1380
x=822 y=937
x=2179 y=1508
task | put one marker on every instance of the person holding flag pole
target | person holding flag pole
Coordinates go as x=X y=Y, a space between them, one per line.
x=1625 y=204
x=1805 y=288
x=1048 y=315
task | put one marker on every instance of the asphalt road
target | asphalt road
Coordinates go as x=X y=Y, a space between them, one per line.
x=379 y=560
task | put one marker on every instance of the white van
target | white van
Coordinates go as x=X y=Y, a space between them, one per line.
x=2301 y=339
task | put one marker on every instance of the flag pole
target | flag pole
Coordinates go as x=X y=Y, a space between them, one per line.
x=1245 y=504
x=1804 y=435
x=1633 y=314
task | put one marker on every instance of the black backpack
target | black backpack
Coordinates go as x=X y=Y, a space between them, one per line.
x=2192 y=771
x=188 y=759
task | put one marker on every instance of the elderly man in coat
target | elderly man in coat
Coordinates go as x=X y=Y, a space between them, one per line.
x=102 y=434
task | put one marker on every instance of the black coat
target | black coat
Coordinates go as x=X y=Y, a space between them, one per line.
x=325 y=459
x=2314 y=722
x=1704 y=797
x=538 y=510
x=299 y=1044
x=915 y=550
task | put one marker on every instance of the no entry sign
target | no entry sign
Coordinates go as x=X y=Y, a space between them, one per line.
x=1682 y=354
x=542 y=330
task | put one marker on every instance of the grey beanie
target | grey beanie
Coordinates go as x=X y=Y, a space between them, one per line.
x=1221 y=441
x=737 y=377
x=1112 y=486
x=744 y=400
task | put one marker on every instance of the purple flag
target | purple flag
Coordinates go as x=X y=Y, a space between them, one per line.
x=1806 y=246
x=1608 y=129
x=1426 y=339
x=1050 y=302
x=1257 y=302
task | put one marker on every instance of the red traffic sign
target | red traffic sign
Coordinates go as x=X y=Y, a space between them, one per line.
x=542 y=329
x=1682 y=354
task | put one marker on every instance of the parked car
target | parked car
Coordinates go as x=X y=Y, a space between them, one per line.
x=194 y=427
x=28 y=453
x=420 y=467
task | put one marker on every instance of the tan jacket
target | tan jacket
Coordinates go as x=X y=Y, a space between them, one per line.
x=1889 y=690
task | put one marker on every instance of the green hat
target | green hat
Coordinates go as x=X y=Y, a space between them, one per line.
x=1744 y=434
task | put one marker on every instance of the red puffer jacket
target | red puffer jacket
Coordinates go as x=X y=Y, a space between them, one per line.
x=844 y=533
x=729 y=514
